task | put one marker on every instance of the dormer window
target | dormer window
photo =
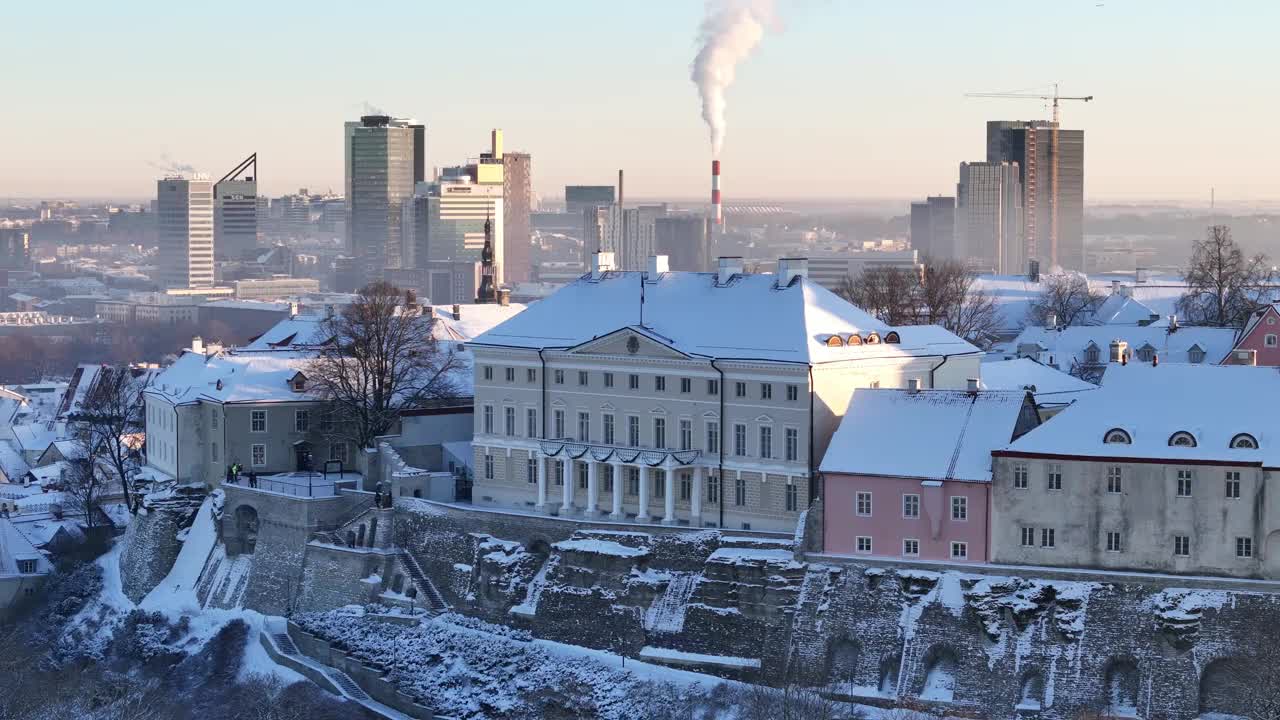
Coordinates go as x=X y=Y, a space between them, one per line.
x=1195 y=354
x=1146 y=353
x=854 y=340
x=893 y=337
x=218 y=385
x=1091 y=354
x=1116 y=436
x=873 y=338
x=1182 y=439
x=298 y=382
x=1244 y=441
x=835 y=341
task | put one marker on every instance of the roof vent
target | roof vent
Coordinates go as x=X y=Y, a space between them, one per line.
x=457 y=312
x=657 y=265
x=1119 y=351
x=913 y=384
x=729 y=266
x=791 y=268
x=197 y=345
x=601 y=263
x=972 y=385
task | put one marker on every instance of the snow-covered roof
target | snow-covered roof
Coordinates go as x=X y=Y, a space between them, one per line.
x=1027 y=374
x=749 y=317
x=1256 y=317
x=1013 y=296
x=12 y=464
x=231 y=378
x=36 y=437
x=927 y=434
x=15 y=546
x=1121 y=309
x=1214 y=403
x=1065 y=348
x=307 y=331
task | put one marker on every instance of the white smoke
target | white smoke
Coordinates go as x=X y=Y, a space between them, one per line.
x=728 y=34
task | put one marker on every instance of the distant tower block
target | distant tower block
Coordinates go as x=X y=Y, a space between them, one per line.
x=716 y=210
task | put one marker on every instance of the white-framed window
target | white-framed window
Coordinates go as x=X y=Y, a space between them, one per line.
x=740 y=440
x=1244 y=441
x=487 y=372
x=582 y=475
x=1117 y=436
x=910 y=506
x=531 y=470
x=488 y=466
x=766 y=441
x=558 y=375
x=301 y=420
x=633 y=430
x=486 y=419
x=213 y=419
x=1182 y=439
x=213 y=451
x=338 y=451
x=686 y=385
x=1020 y=476
x=633 y=480
x=864 y=544
x=1233 y=485
x=607 y=420
x=606 y=475
x=793 y=500
x=1182 y=545
x=660 y=432
x=608 y=380
x=1269 y=340
x=739 y=389
x=1244 y=547
x=740 y=491
x=557 y=423
x=1053 y=476
x=1185 y=478
x=531 y=375
x=793 y=444
x=959 y=551
x=511 y=374
x=793 y=393
x=509 y=419
x=531 y=422
x=633 y=382
x=959 y=508
x=713 y=436
x=1047 y=538
x=584 y=427
x=557 y=468
x=686 y=434
x=258 y=455
x=766 y=391
x=713 y=387
x=862 y=504
x=659 y=383
x=713 y=489
x=1115 y=479
x=1028 y=537
x=258 y=421
x=686 y=486
x=910 y=547
x=584 y=378
x=1114 y=544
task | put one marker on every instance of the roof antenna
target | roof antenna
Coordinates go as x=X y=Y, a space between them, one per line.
x=641 y=274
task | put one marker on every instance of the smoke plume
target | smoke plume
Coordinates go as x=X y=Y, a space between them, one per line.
x=728 y=34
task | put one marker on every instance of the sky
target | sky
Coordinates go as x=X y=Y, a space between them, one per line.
x=845 y=100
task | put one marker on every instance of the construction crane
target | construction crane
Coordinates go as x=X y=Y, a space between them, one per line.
x=1053 y=165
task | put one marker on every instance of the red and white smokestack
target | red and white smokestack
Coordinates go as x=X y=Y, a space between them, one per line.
x=716 y=210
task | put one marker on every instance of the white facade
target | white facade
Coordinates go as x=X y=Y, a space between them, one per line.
x=185 y=232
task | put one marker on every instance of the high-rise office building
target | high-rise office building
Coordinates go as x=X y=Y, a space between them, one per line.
x=684 y=240
x=517 y=196
x=15 y=248
x=933 y=227
x=627 y=233
x=584 y=203
x=989 y=217
x=382 y=164
x=1029 y=143
x=184 y=208
x=235 y=210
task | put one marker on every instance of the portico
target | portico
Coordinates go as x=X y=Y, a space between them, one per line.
x=618 y=473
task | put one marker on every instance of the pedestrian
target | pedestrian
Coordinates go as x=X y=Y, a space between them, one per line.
x=253 y=479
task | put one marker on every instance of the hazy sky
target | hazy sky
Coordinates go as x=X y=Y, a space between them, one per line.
x=850 y=99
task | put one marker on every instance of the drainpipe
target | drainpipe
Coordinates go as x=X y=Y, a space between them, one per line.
x=543 y=419
x=720 y=472
x=933 y=370
x=813 y=478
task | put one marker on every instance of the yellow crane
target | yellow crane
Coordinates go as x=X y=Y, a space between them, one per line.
x=1053 y=165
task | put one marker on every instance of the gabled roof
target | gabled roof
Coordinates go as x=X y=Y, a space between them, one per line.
x=1028 y=375
x=1255 y=318
x=1214 y=403
x=1067 y=345
x=306 y=332
x=1122 y=309
x=926 y=434
x=230 y=378
x=748 y=318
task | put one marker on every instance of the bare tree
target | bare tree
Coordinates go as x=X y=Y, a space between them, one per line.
x=889 y=293
x=85 y=483
x=383 y=358
x=111 y=420
x=1224 y=286
x=949 y=297
x=1064 y=299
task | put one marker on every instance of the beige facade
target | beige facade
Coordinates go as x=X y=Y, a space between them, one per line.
x=1123 y=514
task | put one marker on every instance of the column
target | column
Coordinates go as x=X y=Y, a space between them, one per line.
x=669 y=497
x=643 y=515
x=593 y=488
x=542 y=482
x=567 y=506
x=617 y=490
x=695 y=498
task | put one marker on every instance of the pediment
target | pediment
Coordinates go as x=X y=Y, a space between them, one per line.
x=763 y=419
x=608 y=406
x=636 y=342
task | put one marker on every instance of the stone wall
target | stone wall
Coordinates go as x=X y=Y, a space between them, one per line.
x=151 y=543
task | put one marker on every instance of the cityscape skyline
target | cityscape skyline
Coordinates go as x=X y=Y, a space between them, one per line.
x=892 y=128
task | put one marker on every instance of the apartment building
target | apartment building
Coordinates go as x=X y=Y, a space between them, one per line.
x=700 y=399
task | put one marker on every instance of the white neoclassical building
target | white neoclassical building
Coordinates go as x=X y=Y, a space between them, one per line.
x=700 y=399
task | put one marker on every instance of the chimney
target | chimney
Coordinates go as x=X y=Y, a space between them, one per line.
x=495 y=143
x=428 y=311
x=410 y=301
x=504 y=297
x=913 y=384
x=1119 y=352
x=1155 y=359
x=717 y=212
x=601 y=263
x=657 y=265
x=328 y=311
x=1115 y=287
x=293 y=309
x=619 y=187
x=457 y=312
x=729 y=266
x=1051 y=321
x=972 y=385
x=197 y=345
x=1173 y=323
x=1033 y=271
x=791 y=268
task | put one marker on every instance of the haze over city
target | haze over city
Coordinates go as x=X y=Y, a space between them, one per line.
x=841 y=100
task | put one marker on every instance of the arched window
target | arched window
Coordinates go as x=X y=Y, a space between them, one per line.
x=835 y=341
x=854 y=340
x=893 y=337
x=873 y=338
x=1182 y=439
x=1244 y=441
x=1116 y=436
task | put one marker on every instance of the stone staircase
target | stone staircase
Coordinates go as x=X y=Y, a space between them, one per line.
x=285 y=644
x=346 y=684
x=426 y=589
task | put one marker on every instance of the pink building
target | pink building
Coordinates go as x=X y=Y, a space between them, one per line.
x=908 y=473
x=1259 y=343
